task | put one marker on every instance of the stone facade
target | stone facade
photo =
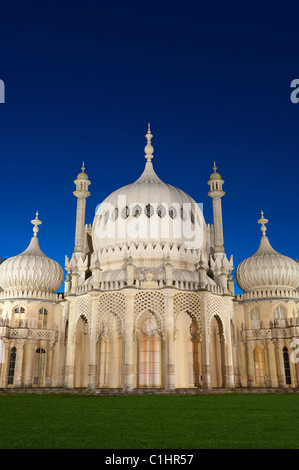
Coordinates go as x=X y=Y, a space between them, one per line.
x=150 y=313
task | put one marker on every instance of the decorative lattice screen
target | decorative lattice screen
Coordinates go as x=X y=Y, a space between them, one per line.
x=153 y=302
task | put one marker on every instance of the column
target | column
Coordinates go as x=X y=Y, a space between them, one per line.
x=250 y=365
x=92 y=367
x=29 y=354
x=18 y=375
x=49 y=365
x=5 y=365
x=205 y=352
x=268 y=381
x=279 y=362
x=230 y=379
x=129 y=343
x=169 y=327
x=70 y=353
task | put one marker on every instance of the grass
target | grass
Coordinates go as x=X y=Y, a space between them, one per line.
x=229 y=421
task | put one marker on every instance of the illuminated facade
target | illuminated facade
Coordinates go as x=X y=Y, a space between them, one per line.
x=149 y=301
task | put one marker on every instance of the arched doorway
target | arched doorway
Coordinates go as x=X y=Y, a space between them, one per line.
x=187 y=352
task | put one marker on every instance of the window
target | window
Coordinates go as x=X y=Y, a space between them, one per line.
x=279 y=316
x=287 y=369
x=17 y=315
x=115 y=214
x=106 y=217
x=255 y=319
x=39 y=366
x=161 y=211
x=42 y=318
x=125 y=212
x=137 y=211
x=149 y=210
x=19 y=309
x=183 y=213
x=259 y=366
x=172 y=212
x=12 y=363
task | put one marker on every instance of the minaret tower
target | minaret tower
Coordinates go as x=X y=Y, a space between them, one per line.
x=215 y=182
x=82 y=182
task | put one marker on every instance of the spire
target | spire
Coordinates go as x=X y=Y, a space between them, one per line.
x=149 y=148
x=36 y=222
x=82 y=175
x=262 y=221
x=214 y=167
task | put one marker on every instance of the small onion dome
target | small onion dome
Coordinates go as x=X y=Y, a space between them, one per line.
x=215 y=175
x=82 y=175
x=267 y=269
x=31 y=270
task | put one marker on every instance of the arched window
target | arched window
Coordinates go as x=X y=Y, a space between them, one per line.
x=279 y=316
x=17 y=315
x=12 y=363
x=255 y=318
x=42 y=318
x=40 y=366
x=287 y=369
x=259 y=366
x=19 y=309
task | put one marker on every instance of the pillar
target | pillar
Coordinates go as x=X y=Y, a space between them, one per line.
x=70 y=352
x=129 y=343
x=28 y=372
x=250 y=365
x=92 y=367
x=169 y=333
x=279 y=362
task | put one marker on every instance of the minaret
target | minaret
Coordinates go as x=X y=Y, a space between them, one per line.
x=82 y=182
x=216 y=194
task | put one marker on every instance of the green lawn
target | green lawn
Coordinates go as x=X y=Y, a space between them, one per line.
x=229 y=421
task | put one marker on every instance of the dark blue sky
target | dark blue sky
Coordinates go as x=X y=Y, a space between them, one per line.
x=83 y=79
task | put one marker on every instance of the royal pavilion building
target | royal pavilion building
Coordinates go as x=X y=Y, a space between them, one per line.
x=149 y=301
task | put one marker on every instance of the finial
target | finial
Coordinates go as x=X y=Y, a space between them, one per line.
x=36 y=222
x=83 y=167
x=214 y=167
x=263 y=221
x=149 y=148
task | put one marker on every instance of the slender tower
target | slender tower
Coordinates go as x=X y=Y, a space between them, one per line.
x=82 y=182
x=216 y=194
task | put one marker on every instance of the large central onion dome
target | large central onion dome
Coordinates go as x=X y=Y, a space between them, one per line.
x=31 y=271
x=147 y=213
x=267 y=269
